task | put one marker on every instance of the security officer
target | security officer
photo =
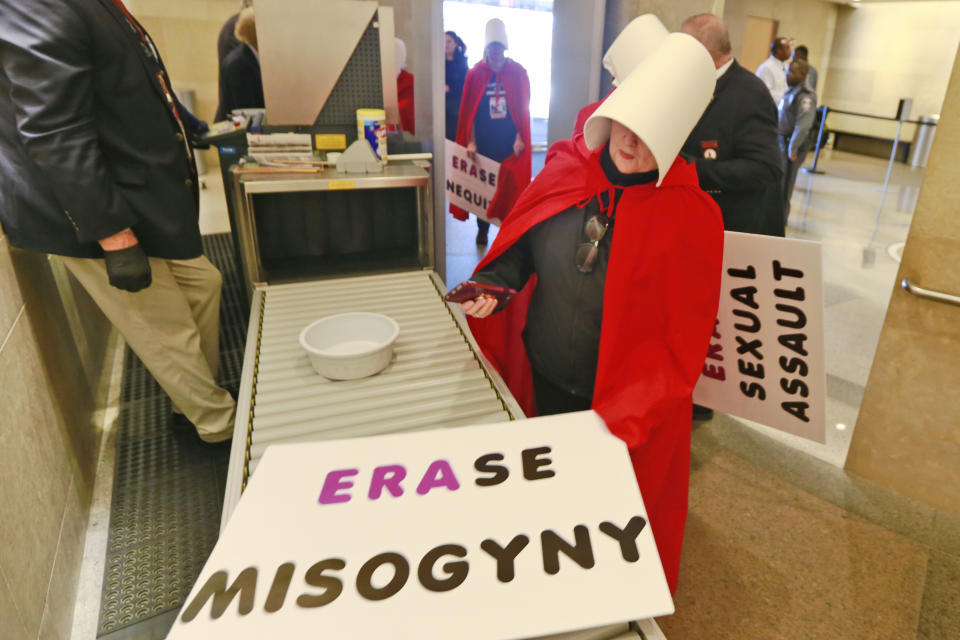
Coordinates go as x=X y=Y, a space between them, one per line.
x=798 y=109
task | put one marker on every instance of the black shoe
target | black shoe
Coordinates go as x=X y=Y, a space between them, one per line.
x=186 y=433
x=702 y=413
x=181 y=425
x=481 y=238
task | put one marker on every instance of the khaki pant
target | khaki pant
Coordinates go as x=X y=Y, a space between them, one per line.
x=173 y=326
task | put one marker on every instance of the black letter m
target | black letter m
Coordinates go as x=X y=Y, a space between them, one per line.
x=216 y=587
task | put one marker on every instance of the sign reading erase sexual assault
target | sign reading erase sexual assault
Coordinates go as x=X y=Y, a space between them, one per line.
x=471 y=183
x=766 y=357
x=510 y=530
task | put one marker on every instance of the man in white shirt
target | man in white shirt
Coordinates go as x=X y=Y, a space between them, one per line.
x=773 y=70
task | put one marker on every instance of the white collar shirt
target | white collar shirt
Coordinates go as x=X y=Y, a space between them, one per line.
x=773 y=72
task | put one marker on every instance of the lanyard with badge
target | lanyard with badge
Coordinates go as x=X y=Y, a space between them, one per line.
x=498 y=101
x=150 y=50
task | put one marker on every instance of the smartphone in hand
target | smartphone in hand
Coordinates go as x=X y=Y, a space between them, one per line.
x=469 y=290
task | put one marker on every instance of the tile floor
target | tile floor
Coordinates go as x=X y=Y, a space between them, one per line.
x=780 y=542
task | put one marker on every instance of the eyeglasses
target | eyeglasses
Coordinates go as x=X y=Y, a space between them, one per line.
x=587 y=252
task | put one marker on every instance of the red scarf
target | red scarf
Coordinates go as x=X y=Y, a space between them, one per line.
x=514 y=173
x=660 y=303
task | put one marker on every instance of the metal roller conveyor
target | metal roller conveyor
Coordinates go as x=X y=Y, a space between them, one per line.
x=437 y=378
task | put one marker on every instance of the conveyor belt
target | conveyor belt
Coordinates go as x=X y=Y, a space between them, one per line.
x=437 y=377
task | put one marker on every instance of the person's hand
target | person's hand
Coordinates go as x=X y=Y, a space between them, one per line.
x=446 y=88
x=518 y=147
x=197 y=135
x=128 y=269
x=472 y=150
x=793 y=157
x=480 y=307
x=127 y=265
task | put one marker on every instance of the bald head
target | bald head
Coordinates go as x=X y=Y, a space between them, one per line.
x=712 y=34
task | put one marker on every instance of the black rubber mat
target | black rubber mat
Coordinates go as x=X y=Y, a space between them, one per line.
x=167 y=489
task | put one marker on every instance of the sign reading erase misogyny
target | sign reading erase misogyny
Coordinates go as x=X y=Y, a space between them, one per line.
x=471 y=184
x=766 y=357
x=510 y=531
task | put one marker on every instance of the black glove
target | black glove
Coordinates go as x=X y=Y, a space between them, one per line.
x=128 y=269
x=198 y=134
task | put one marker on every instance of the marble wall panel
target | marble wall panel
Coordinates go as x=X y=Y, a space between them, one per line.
x=35 y=474
x=906 y=437
x=12 y=624
x=10 y=300
x=58 y=613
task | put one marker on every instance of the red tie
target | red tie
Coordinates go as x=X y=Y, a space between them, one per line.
x=161 y=78
x=133 y=23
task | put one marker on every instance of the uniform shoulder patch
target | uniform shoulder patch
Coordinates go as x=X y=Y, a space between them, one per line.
x=806 y=102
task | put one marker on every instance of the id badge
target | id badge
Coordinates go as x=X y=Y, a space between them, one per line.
x=498 y=107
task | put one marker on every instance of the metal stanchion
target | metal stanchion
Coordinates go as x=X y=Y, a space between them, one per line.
x=816 y=154
x=893 y=154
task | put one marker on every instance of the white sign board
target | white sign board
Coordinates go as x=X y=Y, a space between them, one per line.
x=510 y=530
x=471 y=184
x=766 y=356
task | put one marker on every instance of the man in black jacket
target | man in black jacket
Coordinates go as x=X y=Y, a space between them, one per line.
x=95 y=166
x=735 y=143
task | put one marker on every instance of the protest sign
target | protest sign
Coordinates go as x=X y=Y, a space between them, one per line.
x=766 y=357
x=470 y=183
x=511 y=530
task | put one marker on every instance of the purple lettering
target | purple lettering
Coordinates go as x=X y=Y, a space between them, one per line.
x=334 y=483
x=387 y=477
x=438 y=474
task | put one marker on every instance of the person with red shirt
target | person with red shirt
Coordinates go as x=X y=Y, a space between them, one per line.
x=405 y=102
x=620 y=254
x=495 y=122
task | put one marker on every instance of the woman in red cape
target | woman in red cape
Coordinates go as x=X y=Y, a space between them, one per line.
x=659 y=301
x=515 y=167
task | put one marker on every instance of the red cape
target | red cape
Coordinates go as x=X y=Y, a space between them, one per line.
x=660 y=303
x=405 y=100
x=514 y=173
x=582 y=117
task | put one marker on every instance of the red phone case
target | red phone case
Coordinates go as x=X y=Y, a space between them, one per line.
x=470 y=290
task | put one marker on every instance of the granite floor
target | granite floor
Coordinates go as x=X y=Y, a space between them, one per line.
x=781 y=543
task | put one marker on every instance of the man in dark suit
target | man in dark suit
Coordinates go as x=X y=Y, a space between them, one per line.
x=96 y=167
x=241 y=86
x=735 y=143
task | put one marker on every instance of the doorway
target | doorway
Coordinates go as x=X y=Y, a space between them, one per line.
x=757 y=36
x=529 y=26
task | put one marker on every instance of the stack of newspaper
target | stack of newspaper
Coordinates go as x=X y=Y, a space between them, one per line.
x=281 y=149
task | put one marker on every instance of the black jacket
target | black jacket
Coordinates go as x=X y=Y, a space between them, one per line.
x=562 y=331
x=736 y=151
x=89 y=144
x=241 y=86
x=454 y=75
